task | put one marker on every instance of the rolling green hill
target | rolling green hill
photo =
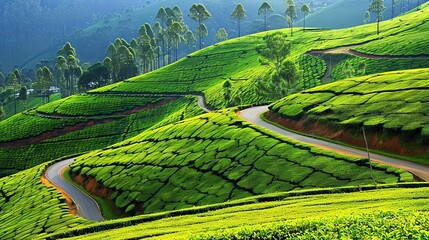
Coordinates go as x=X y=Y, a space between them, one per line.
x=347 y=13
x=159 y=154
x=202 y=72
x=392 y=107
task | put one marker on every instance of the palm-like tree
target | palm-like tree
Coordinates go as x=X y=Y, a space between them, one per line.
x=264 y=9
x=305 y=9
x=199 y=13
x=239 y=14
x=290 y=13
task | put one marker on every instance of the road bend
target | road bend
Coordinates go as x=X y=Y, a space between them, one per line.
x=253 y=115
x=86 y=206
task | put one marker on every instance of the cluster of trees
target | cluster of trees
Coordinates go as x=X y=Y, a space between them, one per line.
x=275 y=53
x=40 y=25
x=13 y=87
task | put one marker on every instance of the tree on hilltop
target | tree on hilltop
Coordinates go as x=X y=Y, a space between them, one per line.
x=199 y=13
x=290 y=13
x=264 y=9
x=239 y=14
x=305 y=9
x=275 y=53
x=377 y=7
x=221 y=34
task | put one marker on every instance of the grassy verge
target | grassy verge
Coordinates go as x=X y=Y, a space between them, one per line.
x=107 y=208
x=416 y=160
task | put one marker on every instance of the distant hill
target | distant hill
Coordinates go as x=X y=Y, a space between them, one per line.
x=347 y=13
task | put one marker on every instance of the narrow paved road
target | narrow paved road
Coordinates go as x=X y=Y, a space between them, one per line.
x=202 y=104
x=86 y=206
x=253 y=115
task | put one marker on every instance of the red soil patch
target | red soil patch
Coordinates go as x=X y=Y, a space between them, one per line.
x=79 y=126
x=92 y=186
x=393 y=144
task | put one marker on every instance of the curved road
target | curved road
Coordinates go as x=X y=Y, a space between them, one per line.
x=253 y=115
x=86 y=206
x=89 y=209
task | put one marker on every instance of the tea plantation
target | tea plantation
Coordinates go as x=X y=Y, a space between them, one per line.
x=28 y=207
x=204 y=176
x=96 y=132
x=383 y=213
x=214 y=158
x=392 y=101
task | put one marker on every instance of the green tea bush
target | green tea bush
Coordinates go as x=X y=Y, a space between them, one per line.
x=97 y=104
x=380 y=225
x=394 y=100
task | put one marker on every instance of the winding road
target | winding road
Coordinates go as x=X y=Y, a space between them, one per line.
x=89 y=209
x=86 y=206
x=253 y=115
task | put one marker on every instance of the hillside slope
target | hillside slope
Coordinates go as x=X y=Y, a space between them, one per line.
x=356 y=214
x=202 y=72
x=214 y=158
x=392 y=107
x=161 y=160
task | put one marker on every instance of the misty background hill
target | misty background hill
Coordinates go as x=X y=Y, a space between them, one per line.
x=32 y=30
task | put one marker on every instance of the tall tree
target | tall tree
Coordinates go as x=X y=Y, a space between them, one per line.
x=158 y=31
x=69 y=67
x=162 y=17
x=239 y=14
x=23 y=95
x=44 y=80
x=190 y=39
x=305 y=9
x=367 y=17
x=199 y=13
x=202 y=31
x=377 y=7
x=264 y=9
x=221 y=34
x=290 y=13
x=62 y=68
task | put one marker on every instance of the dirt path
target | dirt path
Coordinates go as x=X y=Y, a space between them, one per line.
x=348 y=50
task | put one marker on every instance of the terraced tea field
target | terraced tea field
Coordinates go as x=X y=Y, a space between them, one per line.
x=204 y=176
x=31 y=138
x=392 y=103
x=214 y=158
